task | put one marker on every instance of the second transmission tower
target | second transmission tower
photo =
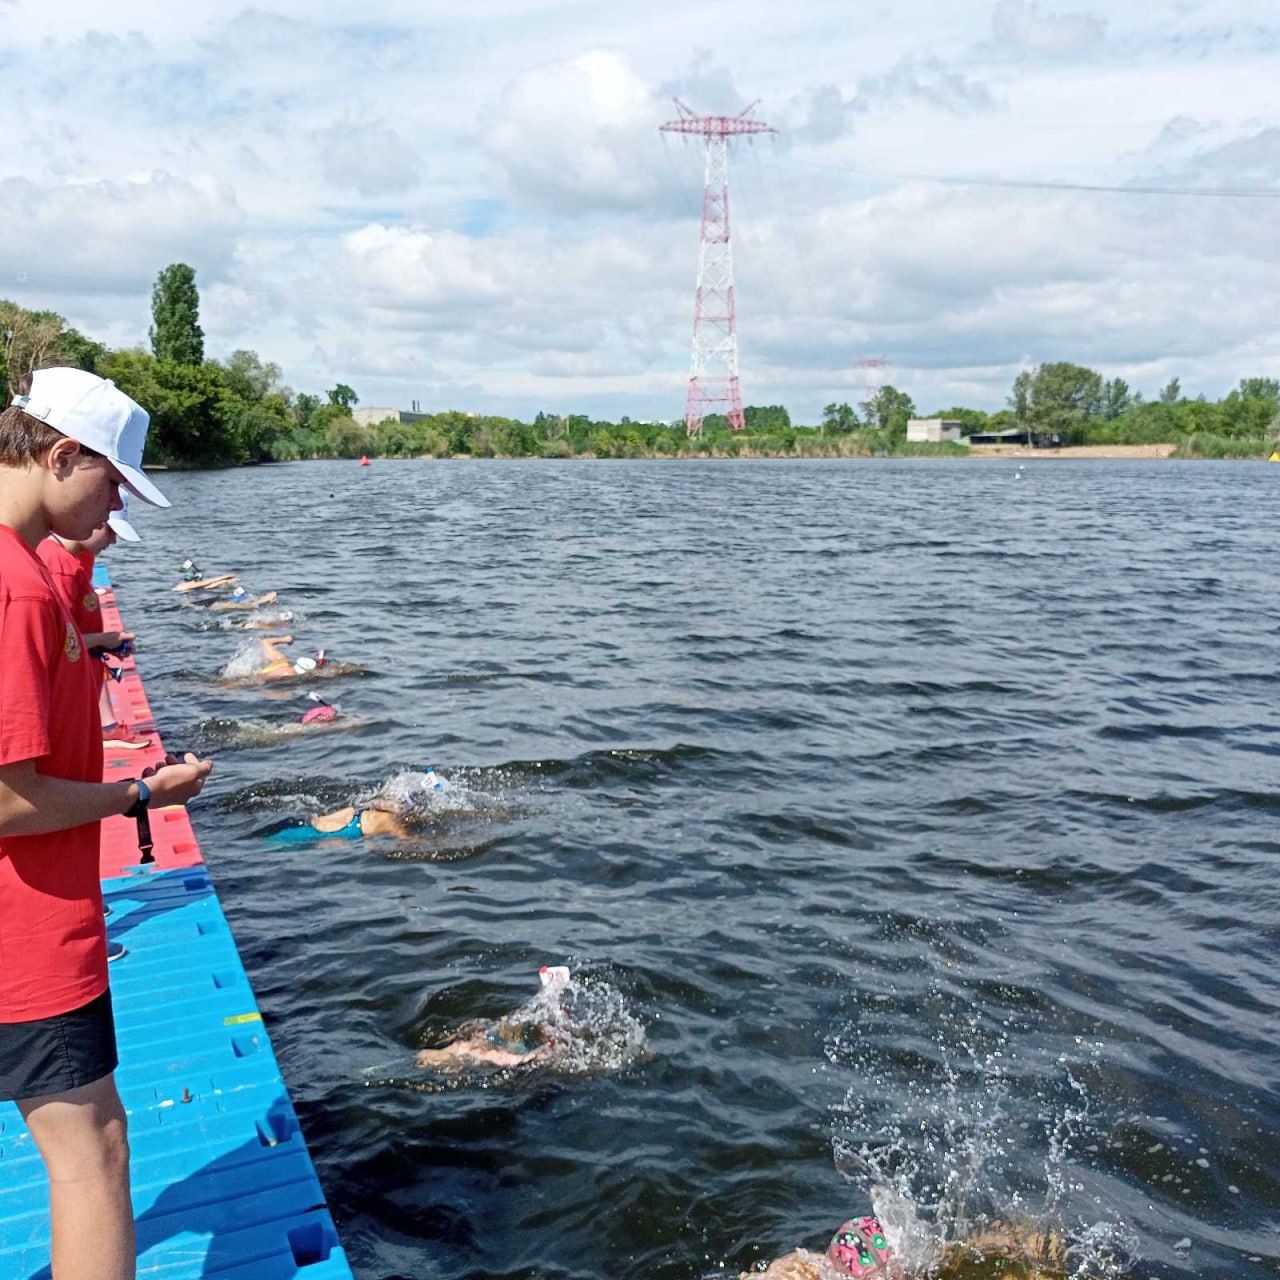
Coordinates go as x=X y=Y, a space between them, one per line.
x=713 y=377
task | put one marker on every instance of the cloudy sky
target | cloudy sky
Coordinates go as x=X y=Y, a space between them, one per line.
x=471 y=205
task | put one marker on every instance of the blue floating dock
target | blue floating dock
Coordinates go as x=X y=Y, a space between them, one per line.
x=223 y=1184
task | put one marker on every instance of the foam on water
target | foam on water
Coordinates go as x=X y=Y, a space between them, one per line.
x=220 y=733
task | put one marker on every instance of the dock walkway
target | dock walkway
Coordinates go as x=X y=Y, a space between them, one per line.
x=223 y=1184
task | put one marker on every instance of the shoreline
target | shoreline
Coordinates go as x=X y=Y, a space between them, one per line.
x=1074 y=451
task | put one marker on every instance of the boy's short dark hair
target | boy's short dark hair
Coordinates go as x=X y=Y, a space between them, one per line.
x=23 y=438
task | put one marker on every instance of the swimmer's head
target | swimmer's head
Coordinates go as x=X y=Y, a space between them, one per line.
x=239 y=594
x=321 y=713
x=858 y=1247
x=554 y=977
x=304 y=665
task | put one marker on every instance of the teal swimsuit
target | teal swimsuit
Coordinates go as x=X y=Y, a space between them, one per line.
x=305 y=833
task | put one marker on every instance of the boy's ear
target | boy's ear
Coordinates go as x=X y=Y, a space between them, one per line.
x=24 y=385
x=62 y=455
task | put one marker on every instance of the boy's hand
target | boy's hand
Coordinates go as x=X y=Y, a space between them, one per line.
x=177 y=781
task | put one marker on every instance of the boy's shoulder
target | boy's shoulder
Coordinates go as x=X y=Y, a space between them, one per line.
x=22 y=574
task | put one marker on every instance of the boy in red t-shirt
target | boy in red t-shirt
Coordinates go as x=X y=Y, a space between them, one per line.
x=66 y=447
x=70 y=565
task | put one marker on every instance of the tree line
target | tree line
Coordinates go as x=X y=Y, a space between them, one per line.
x=239 y=410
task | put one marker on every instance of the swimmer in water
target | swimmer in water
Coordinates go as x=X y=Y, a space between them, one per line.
x=1004 y=1251
x=241 y=599
x=322 y=713
x=532 y=1033
x=278 y=666
x=193 y=580
x=384 y=815
x=277 y=621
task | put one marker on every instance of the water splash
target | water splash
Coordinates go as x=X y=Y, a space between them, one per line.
x=245 y=663
x=957 y=1159
x=586 y=1025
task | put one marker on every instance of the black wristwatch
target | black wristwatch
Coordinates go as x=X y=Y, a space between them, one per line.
x=137 y=808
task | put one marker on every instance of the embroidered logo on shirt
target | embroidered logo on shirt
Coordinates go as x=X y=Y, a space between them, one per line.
x=72 y=646
x=90 y=602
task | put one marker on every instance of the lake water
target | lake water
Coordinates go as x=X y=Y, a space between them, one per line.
x=918 y=818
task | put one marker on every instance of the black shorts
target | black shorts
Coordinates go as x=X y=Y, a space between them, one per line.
x=52 y=1055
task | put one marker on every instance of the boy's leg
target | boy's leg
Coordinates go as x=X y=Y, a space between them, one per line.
x=83 y=1136
x=106 y=712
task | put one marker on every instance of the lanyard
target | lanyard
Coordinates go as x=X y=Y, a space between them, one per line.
x=145 y=842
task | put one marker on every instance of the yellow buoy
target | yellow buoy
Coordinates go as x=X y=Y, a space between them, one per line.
x=1275 y=457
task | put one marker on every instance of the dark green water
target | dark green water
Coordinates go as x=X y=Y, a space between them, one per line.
x=924 y=817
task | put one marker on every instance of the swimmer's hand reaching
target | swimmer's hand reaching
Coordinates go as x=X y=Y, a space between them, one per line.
x=177 y=780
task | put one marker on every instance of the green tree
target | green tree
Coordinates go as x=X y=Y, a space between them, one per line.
x=769 y=417
x=249 y=378
x=304 y=409
x=32 y=340
x=343 y=397
x=176 y=335
x=1020 y=396
x=1172 y=392
x=1063 y=396
x=889 y=410
x=346 y=438
x=838 y=417
x=1116 y=399
x=1261 y=389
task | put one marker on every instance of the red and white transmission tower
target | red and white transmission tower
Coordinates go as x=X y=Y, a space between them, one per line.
x=713 y=377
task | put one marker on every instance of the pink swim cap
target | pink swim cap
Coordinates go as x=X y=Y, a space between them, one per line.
x=320 y=714
x=858 y=1247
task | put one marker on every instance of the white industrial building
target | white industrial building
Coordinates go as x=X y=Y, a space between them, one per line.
x=370 y=417
x=933 y=430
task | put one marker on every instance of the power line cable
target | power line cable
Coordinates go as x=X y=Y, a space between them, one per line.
x=1030 y=184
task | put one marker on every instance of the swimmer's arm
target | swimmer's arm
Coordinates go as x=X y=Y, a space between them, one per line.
x=329 y=822
x=34 y=804
x=221 y=580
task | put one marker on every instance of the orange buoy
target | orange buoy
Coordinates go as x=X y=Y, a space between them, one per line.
x=364 y=459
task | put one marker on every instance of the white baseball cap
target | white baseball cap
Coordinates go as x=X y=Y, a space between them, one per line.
x=94 y=412
x=119 y=521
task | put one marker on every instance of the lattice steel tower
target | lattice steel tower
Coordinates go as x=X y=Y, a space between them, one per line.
x=713 y=376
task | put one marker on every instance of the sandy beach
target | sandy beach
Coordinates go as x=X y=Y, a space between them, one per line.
x=1073 y=451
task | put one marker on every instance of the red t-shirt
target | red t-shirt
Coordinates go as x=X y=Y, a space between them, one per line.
x=53 y=942
x=74 y=585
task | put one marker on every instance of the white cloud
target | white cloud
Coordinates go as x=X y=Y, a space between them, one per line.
x=478 y=208
x=70 y=239
x=1024 y=27
x=579 y=135
x=369 y=158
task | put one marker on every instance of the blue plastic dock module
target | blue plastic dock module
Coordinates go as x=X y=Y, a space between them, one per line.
x=223 y=1184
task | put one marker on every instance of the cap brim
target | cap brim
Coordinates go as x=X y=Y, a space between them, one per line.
x=124 y=530
x=138 y=484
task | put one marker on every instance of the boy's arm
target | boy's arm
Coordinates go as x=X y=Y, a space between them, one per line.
x=33 y=804
x=105 y=639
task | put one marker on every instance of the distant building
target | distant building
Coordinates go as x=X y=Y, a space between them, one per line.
x=370 y=417
x=933 y=430
x=1018 y=436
